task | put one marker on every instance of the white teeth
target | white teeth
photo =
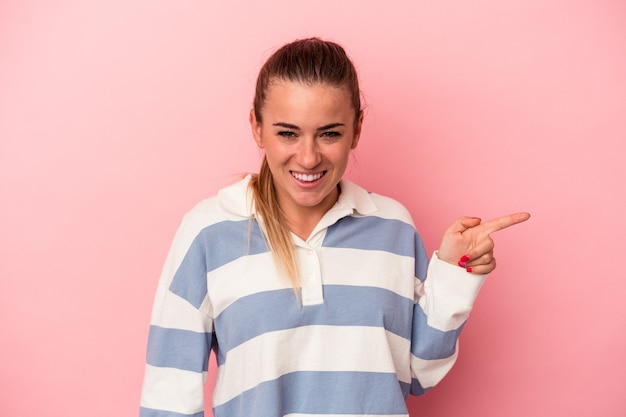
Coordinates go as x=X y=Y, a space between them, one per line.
x=307 y=178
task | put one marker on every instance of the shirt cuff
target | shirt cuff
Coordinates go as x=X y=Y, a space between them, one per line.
x=451 y=292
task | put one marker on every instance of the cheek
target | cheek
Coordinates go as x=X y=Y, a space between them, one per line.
x=276 y=154
x=342 y=156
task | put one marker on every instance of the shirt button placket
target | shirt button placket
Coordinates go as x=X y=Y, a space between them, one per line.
x=312 y=284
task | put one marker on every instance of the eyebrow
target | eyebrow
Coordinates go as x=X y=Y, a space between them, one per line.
x=319 y=129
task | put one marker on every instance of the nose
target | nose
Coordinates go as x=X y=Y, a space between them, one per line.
x=309 y=155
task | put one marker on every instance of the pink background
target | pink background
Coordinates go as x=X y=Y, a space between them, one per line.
x=117 y=116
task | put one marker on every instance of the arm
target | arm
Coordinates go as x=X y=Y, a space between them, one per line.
x=180 y=334
x=444 y=301
x=445 y=298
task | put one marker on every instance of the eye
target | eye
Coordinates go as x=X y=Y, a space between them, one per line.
x=286 y=134
x=331 y=134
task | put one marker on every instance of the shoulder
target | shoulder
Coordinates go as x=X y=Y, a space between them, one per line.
x=367 y=203
x=391 y=208
x=231 y=204
x=205 y=212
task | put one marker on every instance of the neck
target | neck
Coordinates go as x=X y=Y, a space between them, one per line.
x=302 y=220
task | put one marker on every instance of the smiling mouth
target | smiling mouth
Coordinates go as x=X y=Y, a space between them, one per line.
x=307 y=177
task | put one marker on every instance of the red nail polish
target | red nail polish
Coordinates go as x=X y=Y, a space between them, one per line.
x=465 y=258
x=469 y=269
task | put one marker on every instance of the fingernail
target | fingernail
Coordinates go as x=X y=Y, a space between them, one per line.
x=469 y=269
x=462 y=264
x=465 y=258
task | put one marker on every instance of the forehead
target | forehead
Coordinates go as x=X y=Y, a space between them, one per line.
x=298 y=100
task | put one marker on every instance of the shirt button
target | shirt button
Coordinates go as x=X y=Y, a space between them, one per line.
x=309 y=252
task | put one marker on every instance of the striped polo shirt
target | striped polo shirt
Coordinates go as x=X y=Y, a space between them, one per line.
x=365 y=330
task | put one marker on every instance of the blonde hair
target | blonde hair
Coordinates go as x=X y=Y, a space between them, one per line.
x=308 y=61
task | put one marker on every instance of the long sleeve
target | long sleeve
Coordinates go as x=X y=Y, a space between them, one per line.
x=443 y=303
x=180 y=335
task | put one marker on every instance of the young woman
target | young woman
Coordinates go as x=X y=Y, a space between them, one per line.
x=317 y=297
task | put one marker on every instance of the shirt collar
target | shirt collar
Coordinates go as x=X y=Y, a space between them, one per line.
x=356 y=198
x=237 y=199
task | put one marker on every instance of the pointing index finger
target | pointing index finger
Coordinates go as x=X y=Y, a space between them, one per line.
x=504 y=222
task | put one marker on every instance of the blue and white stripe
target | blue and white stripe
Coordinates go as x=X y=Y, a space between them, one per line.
x=368 y=328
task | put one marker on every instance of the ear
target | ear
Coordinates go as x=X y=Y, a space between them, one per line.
x=357 y=130
x=255 y=125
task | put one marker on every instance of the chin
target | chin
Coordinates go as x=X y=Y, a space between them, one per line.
x=310 y=202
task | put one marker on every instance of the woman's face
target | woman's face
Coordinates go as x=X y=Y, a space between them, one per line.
x=307 y=134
